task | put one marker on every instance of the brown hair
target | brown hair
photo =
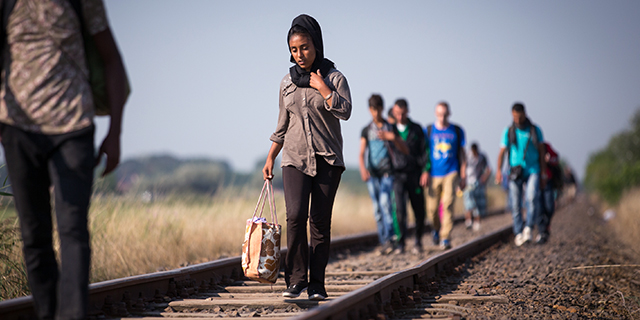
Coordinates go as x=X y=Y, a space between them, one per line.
x=375 y=101
x=518 y=107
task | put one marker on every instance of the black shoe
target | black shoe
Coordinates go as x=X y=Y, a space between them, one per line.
x=294 y=290
x=399 y=249
x=386 y=249
x=317 y=295
x=445 y=245
x=542 y=238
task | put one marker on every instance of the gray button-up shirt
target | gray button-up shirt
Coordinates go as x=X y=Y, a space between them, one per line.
x=309 y=126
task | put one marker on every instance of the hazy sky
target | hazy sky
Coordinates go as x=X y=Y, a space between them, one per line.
x=205 y=74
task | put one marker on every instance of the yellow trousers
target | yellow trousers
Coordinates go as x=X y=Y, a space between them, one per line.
x=442 y=189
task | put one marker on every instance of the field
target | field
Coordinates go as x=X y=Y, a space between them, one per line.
x=626 y=223
x=130 y=236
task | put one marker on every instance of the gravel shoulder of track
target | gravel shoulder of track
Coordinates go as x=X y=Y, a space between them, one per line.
x=369 y=259
x=583 y=272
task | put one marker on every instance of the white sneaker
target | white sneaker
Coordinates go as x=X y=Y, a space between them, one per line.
x=468 y=223
x=476 y=226
x=526 y=234
x=519 y=240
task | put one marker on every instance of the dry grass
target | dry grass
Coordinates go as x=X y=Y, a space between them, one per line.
x=129 y=236
x=13 y=282
x=627 y=220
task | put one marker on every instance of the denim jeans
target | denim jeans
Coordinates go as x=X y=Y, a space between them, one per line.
x=380 y=191
x=65 y=161
x=475 y=199
x=532 y=195
x=547 y=208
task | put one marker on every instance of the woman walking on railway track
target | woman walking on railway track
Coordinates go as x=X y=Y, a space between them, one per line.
x=314 y=97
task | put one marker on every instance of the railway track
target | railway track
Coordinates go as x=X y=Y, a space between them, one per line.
x=360 y=284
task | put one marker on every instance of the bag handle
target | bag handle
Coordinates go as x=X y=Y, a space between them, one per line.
x=266 y=195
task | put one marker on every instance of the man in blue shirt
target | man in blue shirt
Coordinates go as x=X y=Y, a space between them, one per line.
x=524 y=143
x=445 y=142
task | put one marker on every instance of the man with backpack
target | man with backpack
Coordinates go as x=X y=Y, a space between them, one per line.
x=407 y=171
x=47 y=130
x=523 y=142
x=378 y=142
x=446 y=172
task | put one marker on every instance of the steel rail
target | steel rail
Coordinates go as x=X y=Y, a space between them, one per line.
x=149 y=285
x=179 y=282
x=381 y=295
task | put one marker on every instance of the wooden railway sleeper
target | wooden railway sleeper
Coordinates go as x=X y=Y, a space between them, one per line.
x=183 y=283
x=376 y=312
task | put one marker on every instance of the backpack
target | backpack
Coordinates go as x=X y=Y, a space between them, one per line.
x=458 y=131
x=95 y=64
x=555 y=169
x=533 y=134
x=512 y=140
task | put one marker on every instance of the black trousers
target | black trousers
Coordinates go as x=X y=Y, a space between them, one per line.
x=35 y=162
x=408 y=185
x=299 y=189
x=547 y=208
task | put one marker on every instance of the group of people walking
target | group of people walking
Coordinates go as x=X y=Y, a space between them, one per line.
x=50 y=142
x=399 y=159
x=403 y=159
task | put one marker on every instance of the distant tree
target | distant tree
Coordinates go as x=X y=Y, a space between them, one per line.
x=616 y=168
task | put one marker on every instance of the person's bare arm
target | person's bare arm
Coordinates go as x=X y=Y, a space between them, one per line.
x=424 y=176
x=485 y=175
x=463 y=168
x=396 y=139
x=499 y=167
x=116 y=91
x=267 y=170
x=424 y=179
x=364 y=173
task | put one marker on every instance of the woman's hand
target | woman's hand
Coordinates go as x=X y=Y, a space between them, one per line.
x=267 y=170
x=317 y=82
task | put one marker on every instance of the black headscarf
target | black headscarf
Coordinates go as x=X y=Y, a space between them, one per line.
x=300 y=76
